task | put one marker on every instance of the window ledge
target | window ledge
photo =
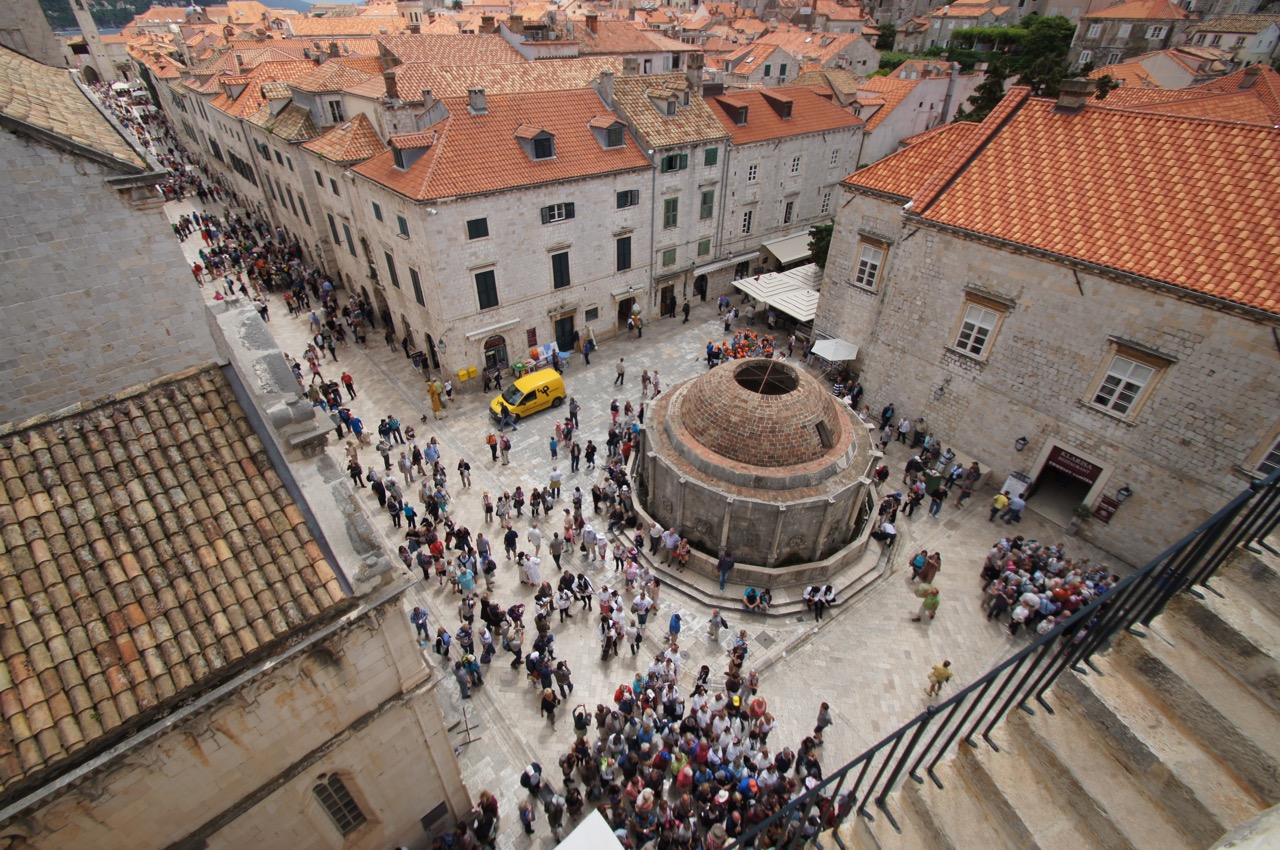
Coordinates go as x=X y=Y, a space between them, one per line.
x=1115 y=417
x=978 y=359
x=403 y=236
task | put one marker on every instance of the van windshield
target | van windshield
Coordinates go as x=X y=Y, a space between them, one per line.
x=512 y=395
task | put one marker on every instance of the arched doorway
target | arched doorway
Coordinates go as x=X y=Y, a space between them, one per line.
x=700 y=286
x=495 y=352
x=91 y=75
x=406 y=331
x=380 y=301
x=624 y=312
x=431 y=350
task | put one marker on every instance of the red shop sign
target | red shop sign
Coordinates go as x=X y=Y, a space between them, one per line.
x=1073 y=465
x=1105 y=510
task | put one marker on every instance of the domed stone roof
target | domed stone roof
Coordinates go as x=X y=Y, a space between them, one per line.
x=761 y=412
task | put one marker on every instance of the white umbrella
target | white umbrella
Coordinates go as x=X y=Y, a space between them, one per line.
x=835 y=350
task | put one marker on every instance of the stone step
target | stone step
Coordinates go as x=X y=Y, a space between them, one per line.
x=1147 y=738
x=1095 y=785
x=1223 y=713
x=1033 y=802
x=1240 y=634
x=915 y=834
x=956 y=814
x=1256 y=574
x=787 y=602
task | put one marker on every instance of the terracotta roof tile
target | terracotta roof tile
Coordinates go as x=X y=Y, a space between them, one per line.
x=1123 y=189
x=476 y=154
x=1251 y=95
x=293 y=123
x=332 y=77
x=49 y=99
x=450 y=49
x=1140 y=10
x=810 y=113
x=251 y=100
x=1248 y=24
x=307 y=27
x=625 y=37
x=891 y=89
x=821 y=47
x=354 y=141
x=502 y=78
x=691 y=124
x=148 y=546
x=905 y=172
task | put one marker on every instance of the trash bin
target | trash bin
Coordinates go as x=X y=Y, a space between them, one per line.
x=518 y=368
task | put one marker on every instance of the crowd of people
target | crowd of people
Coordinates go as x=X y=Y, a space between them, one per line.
x=1034 y=586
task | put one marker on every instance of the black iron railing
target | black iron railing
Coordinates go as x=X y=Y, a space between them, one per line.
x=927 y=739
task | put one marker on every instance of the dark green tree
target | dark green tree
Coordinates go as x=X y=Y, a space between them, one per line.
x=1041 y=62
x=888 y=32
x=820 y=243
x=988 y=93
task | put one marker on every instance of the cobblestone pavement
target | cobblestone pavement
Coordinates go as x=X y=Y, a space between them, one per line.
x=867 y=659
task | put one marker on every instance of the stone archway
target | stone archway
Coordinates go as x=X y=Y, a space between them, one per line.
x=91 y=75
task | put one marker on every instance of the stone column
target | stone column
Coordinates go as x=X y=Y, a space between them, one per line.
x=777 y=536
x=828 y=517
x=724 y=526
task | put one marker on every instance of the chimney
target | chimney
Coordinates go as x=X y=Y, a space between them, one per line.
x=426 y=97
x=693 y=74
x=389 y=78
x=515 y=23
x=476 y=102
x=592 y=22
x=486 y=23
x=606 y=88
x=1074 y=93
x=1250 y=76
x=333 y=50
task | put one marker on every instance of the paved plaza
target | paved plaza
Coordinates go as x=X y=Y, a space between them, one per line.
x=867 y=659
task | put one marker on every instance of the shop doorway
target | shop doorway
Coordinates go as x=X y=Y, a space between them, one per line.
x=564 y=332
x=667 y=300
x=700 y=286
x=624 y=312
x=495 y=353
x=1063 y=485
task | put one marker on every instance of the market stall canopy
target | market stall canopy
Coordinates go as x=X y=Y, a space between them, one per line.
x=835 y=350
x=794 y=292
x=790 y=249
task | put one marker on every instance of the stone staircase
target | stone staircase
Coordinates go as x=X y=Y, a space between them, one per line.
x=1172 y=746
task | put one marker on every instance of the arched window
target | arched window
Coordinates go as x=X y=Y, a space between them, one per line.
x=332 y=793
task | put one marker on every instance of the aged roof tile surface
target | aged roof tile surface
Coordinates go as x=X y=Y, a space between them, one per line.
x=147 y=548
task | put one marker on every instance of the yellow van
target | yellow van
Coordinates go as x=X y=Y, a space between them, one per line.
x=533 y=392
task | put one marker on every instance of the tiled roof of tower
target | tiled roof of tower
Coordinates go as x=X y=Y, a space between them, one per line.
x=691 y=124
x=450 y=49
x=148 y=551
x=810 y=113
x=48 y=99
x=478 y=154
x=354 y=141
x=1140 y=10
x=1186 y=201
x=892 y=89
x=905 y=172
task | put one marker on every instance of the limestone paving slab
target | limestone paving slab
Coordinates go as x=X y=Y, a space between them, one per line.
x=867 y=659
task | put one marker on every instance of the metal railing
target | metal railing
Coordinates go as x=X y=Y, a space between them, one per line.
x=928 y=738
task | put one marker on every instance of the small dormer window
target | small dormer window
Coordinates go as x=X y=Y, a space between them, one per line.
x=671 y=105
x=398 y=156
x=615 y=137
x=538 y=144
x=741 y=118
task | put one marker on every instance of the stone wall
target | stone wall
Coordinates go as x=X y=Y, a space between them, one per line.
x=24 y=28
x=1185 y=448
x=97 y=296
x=241 y=773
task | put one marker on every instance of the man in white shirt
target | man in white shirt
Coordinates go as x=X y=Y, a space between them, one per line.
x=535 y=539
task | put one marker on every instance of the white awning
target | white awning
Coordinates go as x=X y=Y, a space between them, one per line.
x=835 y=350
x=794 y=292
x=492 y=329
x=789 y=249
x=592 y=834
x=722 y=264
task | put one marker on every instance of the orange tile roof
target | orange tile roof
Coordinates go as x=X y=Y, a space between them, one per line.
x=1186 y=201
x=891 y=89
x=1227 y=98
x=251 y=99
x=479 y=154
x=692 y=124
x=1241 y=106
x=353 y=141
x=305 y=27
x=1140 y=10
x=450 y=49
x=838 y=12
x=331 y=77
x=810 y=113
x=150 y=550
x=905 y=172
x=621 y=37
x=502 y=78
x=823 y=47
x=1266 y=86
x=1249 y=24
x=1131 y=74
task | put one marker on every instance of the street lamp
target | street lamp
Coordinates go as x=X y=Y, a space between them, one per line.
x=1020 y=444
x=1123 y=494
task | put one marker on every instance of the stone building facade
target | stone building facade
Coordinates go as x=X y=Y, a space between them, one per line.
x=1126 y=30
x=1100 y=371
